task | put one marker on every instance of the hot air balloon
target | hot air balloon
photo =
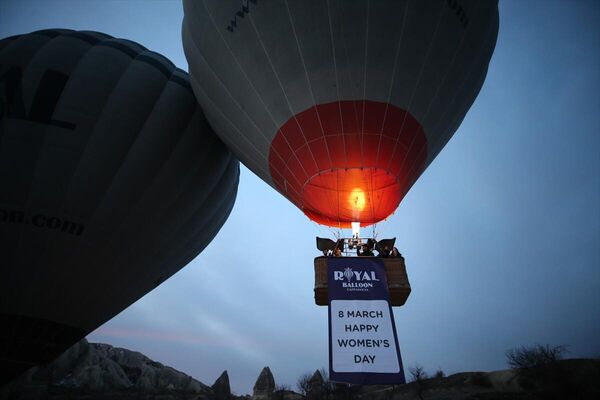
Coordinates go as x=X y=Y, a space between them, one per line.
x=110 y=182
x=339 y=105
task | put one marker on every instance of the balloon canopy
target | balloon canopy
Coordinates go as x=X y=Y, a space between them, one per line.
x=339 y=105
x=112 y=181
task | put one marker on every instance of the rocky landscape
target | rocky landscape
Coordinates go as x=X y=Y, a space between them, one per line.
x=94 y=371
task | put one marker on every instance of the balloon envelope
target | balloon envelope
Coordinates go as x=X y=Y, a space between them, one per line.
x=339 y=105
x=111 y=182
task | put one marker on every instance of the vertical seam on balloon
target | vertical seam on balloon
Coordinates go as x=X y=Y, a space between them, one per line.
x=240 y=69
x=481 y=56
x=218 y=79
x=240 y=135
x=143 y=197
x=141 y=128
x=231 y=144
x=13 y=253
x=362 y=130
x=187 y=124
x=393 y=78
x=215 y=211
x=372 y=192
x=234 y=100
x=23 y=67
x=449 y=66
x=490 y=32
x=345 y=50
x=227 y=120
x=53 y=234
x=67 y=193
x=416 y=87
x=364 y=93
x=312 y=95
x=195 y=113
x=414 y=178
x=389 y=97
x=271 y=148
x=286 y=100
x=339 y=105
x=100 y=249
x=215 y=224
x=228 y=198
x=310 y=89
x=189 y=176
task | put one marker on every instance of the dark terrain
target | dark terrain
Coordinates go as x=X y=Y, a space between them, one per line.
x=94 y=371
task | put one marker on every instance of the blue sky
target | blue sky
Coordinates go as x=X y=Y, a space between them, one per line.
x=501 y=234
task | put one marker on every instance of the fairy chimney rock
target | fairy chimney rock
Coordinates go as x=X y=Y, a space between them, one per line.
x=221 y=387
x=265 y=384
x=315 y=386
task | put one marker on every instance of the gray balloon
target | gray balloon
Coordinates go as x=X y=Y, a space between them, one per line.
x=339 y=105
x=111 y=181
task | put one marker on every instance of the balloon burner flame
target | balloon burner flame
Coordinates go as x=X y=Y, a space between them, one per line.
x=355 y=229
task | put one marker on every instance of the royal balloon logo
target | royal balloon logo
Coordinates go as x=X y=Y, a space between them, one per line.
x=363 y=280
x=348 y=274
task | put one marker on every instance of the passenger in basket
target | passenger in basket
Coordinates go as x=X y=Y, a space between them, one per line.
x=385 y=252
x=364 y=251
x=396 y=253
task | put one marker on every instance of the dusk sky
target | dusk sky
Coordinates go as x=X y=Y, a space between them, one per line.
x=501 y=234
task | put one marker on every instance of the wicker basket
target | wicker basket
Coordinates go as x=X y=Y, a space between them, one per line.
x=398 y=284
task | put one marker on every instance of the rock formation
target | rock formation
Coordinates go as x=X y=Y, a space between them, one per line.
x=221 y=388
x=93 y=371
x=104 y=371
x=265 y=385
x=315 y=386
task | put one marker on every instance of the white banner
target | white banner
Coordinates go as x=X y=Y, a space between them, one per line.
x=362 y=337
